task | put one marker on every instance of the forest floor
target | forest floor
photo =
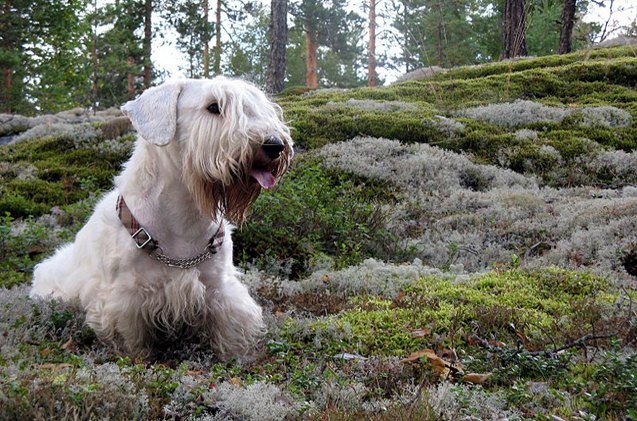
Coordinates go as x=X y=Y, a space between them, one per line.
x=459 y=247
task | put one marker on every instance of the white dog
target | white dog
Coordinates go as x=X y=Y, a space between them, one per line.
x=155 y=257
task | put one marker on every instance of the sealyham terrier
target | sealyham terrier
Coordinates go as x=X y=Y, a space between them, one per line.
x=155 y=258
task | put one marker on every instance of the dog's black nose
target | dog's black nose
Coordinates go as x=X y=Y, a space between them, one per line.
x=272 y=147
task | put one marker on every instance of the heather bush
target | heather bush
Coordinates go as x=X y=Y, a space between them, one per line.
x=614 y=168
x=370 y=277
x=257 y=401
x=14 y=124
x=62 y=391
x=314 y=211
x=446 y=126
x=605 y=116
x=526 y=134
x=26 y=321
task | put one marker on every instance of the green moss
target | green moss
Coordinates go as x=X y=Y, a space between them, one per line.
x=536 y=302
x=60 y=171
x=599 y=55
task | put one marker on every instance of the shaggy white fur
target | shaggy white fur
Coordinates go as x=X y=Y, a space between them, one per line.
x=199 y=159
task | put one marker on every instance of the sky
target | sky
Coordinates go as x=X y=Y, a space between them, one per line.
x=167 y=58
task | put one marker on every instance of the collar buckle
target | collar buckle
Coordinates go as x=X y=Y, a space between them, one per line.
x=145 y=243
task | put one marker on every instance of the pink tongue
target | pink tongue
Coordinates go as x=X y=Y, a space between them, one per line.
x=265 y=178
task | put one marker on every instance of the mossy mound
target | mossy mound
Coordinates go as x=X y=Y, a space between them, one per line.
x=540 y=305
x=598 y=78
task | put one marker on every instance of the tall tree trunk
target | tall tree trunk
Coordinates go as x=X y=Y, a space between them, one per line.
x=148 y=35
x=130 y=77
x=206 y=42
x=6 y=95
x=566 y=31
x=371 y=58
x=514 y=29
x=312 y=66
x=7 y=91
x=217 y=64
x=440 y=35
x=94 y=87
x=278 y=42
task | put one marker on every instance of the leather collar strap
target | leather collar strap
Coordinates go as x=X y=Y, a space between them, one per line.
x=145 y=241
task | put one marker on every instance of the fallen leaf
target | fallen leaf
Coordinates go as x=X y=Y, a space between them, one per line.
x=69 y=345
x=399 y=298
x=416 y=356
x=235 y=381
x=476 y=378
x=439 y=366
x=420 y=333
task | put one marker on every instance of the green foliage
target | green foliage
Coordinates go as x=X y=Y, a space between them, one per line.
x=313 y=212
x=536 y=302
x=60 y=175
x=333 y=27
x=443 y=34
x=248 y=51
x=118 y=51
x=336 y=335
x=613 y=383
x=41 y=47
x=187 y=18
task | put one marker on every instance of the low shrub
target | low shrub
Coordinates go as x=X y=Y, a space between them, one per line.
x=315 y=211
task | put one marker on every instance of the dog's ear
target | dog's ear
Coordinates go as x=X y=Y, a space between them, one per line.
x=154 y=112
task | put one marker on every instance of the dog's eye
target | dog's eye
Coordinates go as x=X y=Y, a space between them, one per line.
x=214 y=108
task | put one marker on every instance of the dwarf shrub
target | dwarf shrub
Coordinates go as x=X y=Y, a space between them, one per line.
x=314 y=211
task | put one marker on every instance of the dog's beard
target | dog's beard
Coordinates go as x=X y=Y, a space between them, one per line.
x=229 y=201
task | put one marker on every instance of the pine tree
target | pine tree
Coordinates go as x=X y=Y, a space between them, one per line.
x=371 y=53
x=278 y=42
x=120 y=68
x=514 y=29
x=330 y=25
x=41 y=56
x=566 y=31
x=246 y=54
x=188 y=19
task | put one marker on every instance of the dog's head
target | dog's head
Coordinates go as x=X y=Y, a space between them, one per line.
x=231 y=138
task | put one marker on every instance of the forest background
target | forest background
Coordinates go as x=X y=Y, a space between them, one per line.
x=60 y=54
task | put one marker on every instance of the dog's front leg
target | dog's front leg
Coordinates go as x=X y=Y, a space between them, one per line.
x=235 y=320
x=120 y=316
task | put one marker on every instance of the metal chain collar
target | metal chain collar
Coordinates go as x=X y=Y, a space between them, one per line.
x=143 y=240
x=181 y=263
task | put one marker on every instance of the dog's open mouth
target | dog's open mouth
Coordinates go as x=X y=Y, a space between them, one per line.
x=264 y=177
